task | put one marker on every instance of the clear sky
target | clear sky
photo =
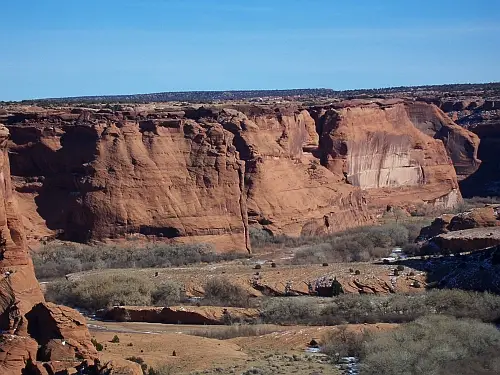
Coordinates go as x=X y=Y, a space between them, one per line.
x=55 y=48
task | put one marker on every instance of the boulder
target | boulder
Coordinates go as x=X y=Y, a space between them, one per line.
x=120 y=367
x=484 y=217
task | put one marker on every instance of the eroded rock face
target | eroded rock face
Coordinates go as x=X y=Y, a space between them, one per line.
x=385 y=150
x=481 y=116
x=208 y=174
x=182 y=314
x=32 y=331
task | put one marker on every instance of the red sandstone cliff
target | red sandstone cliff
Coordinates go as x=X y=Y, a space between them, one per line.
x=206 y=175
x=35 y=337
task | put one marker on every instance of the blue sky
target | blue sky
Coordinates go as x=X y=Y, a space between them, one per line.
x=55 y=48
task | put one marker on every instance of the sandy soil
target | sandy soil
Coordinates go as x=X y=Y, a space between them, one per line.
x=281 y=352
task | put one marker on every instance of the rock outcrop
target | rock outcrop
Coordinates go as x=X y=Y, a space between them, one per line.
x=212 y=315
x=472 y=230
x=209 y=174
x=476 y=218
x=35 y=337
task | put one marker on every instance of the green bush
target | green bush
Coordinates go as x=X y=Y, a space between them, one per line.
x=115 y=339
x=97 y=345
x=433 y=345
x=220 y=291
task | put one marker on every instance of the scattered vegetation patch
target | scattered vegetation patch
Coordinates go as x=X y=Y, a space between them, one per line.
x=98 y=346
x=96 y=292
x=343 y=343
x=219 y=291
x=433 y=345
x=282 y=310
x=354 y=245
x=397 y=308
x=235 y=330
x=58 y=260
x=167 y=293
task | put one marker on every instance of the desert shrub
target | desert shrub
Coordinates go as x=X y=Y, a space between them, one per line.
x=475 y=202
x=100 y=291
x=260 y=237
x=167 y=293
x=232 y=331
x=58 y=260
x=162 y=370
x=354 y=245
x=115 y=339
x=433 y=345
x=396 y=308
x=98 y=346
x=342 y=343
x=220 y=291
x=289 y=311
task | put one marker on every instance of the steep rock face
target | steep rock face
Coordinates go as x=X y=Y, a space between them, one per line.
x=287 y=189
x=384 y=149
x=30 y=327
x=461 y=145
x=207 y=174
x=480 y=114
x=173 y=179
x=191 y=175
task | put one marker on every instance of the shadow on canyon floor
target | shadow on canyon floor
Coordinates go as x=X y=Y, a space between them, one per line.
x=477 y=271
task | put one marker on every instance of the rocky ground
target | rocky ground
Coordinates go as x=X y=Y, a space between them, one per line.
x=373 y=277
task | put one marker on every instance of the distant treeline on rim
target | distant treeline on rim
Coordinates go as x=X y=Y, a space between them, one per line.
x=204 y=96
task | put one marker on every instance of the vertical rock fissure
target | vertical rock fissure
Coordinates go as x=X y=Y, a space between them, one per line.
x=243 y=205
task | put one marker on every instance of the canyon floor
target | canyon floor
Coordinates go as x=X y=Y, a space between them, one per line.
x=282 y=351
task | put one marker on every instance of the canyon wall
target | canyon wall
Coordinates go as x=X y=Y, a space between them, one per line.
x=35 y=337
x=384 y=149
x=209 y=174
x=480 y=116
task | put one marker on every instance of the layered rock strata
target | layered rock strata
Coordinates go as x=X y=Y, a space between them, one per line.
x=209 y=174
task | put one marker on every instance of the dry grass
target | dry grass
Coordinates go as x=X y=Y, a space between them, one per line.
x=434 y=345
x=397 y=308
x=236 y=330
x=58 y=260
